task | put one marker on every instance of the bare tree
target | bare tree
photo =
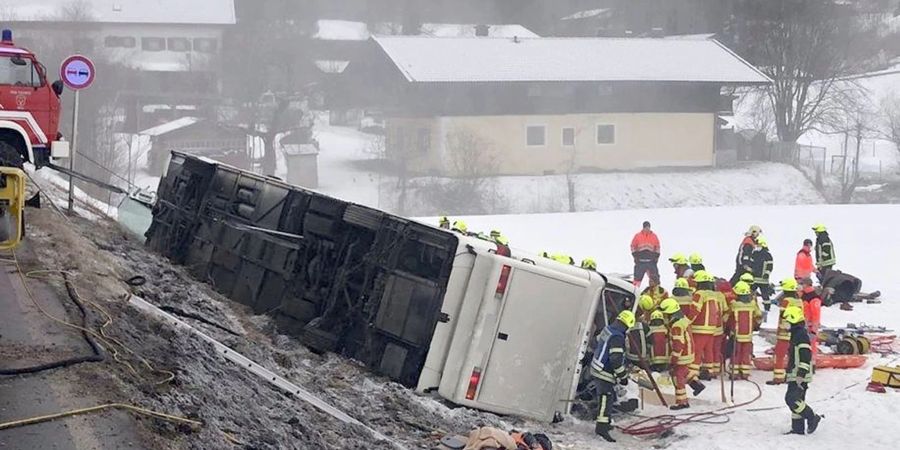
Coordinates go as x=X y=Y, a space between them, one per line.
x=807 y=48
x=471 y=163
x=890 y=119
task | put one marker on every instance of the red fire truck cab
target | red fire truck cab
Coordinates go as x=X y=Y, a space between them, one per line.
x=29 y=109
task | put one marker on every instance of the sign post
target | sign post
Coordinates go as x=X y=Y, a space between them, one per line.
x=76 y=72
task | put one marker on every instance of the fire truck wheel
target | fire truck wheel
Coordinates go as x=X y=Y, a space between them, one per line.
x=10 y=157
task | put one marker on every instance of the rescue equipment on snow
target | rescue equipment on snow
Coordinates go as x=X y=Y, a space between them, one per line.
x=886 y=376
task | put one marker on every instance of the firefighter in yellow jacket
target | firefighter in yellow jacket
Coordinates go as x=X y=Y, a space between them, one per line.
x=788 y=298
x=803 y=419
x=744 y=319
x=705 y=326
x=681 y=345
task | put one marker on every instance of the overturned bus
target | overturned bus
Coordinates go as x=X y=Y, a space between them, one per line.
x=429 y=308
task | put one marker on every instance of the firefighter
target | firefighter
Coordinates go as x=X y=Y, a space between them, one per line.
x=789 y=298
x=803 y=264
x=659 y=342
x=501 y=242
x=645 y=250
x=762 y=265
x=684 y=295
x=680 y=264
x=803 y=419
x=724 y=300
x=745 y=319
x=812 y=314
x=705 y=325
x=681 y=349
x=589 y=264
x=656 y=291
x=696 y=262
x=825 y=258
x=444 y=223
x=745 y=251
x=608 y=366
x=563 y=259
x=647 y=304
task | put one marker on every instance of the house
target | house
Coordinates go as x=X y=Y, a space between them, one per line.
x=533 y=106
x=199 y=137
x=170 y=48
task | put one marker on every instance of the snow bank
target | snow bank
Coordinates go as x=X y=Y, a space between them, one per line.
x=864 y=240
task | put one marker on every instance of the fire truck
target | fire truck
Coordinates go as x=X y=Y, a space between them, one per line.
x=29 y=109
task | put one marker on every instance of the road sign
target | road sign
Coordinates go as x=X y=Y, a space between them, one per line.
x=77 y=72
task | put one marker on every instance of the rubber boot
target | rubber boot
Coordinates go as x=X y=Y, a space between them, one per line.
x=704 y=375
x=697 y=386
x=679 y=406
x=798 y=426
x=602 y=430
x=813 y=423
x=774 y=382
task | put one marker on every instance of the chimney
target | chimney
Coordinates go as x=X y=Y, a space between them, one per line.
x=482 y=30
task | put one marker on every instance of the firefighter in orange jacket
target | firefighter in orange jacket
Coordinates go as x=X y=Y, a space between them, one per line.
x=681 y=358
x=706 y=324
x=684 y=295
x=804 y=266
x=789 y=298
x=812 y=313
x=659 y=342
x=745 y=318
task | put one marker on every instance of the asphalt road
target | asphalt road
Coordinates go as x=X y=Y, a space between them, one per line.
x=26 y=338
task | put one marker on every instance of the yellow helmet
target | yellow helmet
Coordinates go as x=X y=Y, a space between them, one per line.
x=819 y=228
x=656 y=315
x=789 y=284
x=501 y=240
x=589 y=263
x=747 y=277
x=669 y=306
x=793 y=314
x=646 y=302
x=460 y=226
x=696 y=259
x=682 y=283
x=444 y=220
x=741 y=288
x=627 y=317
x=702 y=276
x=678 y=258
x=762 y=242
x=495 y=233
x=754 y=230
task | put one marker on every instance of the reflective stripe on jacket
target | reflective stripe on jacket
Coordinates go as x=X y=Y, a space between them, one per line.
x=709 y=318
x=681 y=343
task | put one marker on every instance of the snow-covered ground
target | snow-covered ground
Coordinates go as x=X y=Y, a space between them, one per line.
x=865 y=244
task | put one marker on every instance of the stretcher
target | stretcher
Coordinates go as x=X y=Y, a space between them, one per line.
x=822 y=362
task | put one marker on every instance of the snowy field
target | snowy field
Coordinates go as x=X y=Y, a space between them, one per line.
x=865 y=244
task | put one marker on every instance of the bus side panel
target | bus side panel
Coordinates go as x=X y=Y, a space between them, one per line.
x=457 y=286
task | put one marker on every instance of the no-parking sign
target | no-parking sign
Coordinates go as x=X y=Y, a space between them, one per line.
x=77 y=72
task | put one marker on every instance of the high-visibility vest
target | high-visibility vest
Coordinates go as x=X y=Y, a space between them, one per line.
x=744 y=316
x=709 y=318
x=688 y=306
x=784 y=328
x=681 y=343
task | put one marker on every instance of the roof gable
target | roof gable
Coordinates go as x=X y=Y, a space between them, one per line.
x=480 y=59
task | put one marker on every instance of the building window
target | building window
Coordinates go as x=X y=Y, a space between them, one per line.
x=119 y=42
x=568 y=137
x=606 y=134
x=535 y=135
x=205 y=45
x=153 y=44
x=179 y=44
x=424 y=140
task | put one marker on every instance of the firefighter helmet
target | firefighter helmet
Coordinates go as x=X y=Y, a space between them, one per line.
x=762 y=242
x=627 y=317
x=495 y=233
x=646 y=302
x=819 y=228
x=789 y=284
x=589 y=264
x=460 y=226
x=754 y=231
x=678 y=258
x=669 y=306
x=741 y=288
x=695 y=259
x=444 y=221
x=682 y=283
x=656 y=315
x=702 y=276
x=793 y=314
x=747 y=277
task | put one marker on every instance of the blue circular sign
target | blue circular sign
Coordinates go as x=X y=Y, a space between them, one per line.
x=77 y=72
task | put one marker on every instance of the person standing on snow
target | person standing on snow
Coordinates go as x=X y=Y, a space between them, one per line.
x=681 y=351
x=705 y=325
x=645 y=250
x=812 y=314
x=745 y=319
x=803 y=419
x=825 y=258
x=608 y=367
x=762 y=265
x=789 y=299
x=745 y=252
x=804 y=265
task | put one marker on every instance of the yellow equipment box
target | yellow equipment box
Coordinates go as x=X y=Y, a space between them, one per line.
x=888 y=376
x=12 y=201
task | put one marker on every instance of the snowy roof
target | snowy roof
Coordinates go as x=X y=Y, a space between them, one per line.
x=588 y=13
x=206 y=12
x=480 y=59
x=341 y=30
x=468 y=30
x=169 y=127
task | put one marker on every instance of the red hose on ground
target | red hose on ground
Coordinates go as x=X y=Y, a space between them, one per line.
x=665 y=422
